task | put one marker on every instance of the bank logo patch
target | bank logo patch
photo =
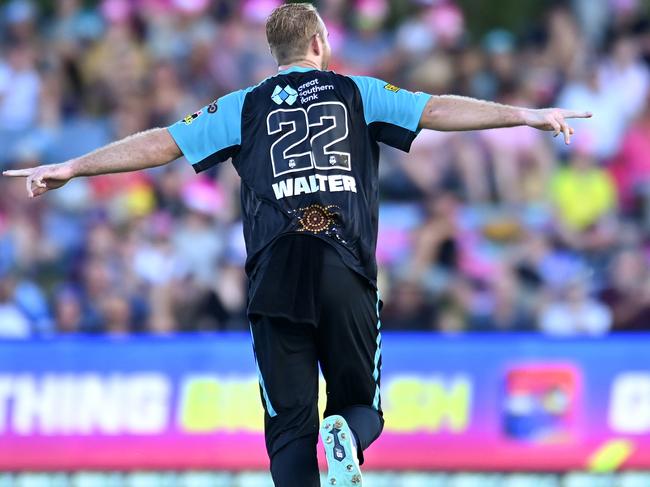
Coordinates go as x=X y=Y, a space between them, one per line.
x=286 y=94
x=392 y=88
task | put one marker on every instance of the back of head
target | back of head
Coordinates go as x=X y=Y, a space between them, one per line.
x=289 y=30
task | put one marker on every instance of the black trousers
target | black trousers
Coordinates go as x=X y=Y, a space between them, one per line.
x=346 y=342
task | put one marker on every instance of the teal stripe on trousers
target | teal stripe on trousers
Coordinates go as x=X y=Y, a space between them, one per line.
x=269 y=406
x=375 y=374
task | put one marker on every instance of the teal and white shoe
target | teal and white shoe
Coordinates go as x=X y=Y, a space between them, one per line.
x=342 y=463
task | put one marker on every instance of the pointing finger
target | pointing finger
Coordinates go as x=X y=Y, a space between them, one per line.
x=18 y=172
x=575 y=114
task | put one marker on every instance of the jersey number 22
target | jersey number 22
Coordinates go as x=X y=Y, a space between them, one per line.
x=316 y=137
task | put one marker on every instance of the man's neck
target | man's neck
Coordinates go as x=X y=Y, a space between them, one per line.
x=302 y=63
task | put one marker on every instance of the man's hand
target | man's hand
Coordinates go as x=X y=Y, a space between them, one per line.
x=44 y=178
x=152 y=148
x=553 y=119
x=450 y=112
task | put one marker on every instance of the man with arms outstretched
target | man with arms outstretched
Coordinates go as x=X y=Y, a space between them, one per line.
x=305 y=143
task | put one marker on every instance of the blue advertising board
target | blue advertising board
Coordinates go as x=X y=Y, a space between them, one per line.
x=473 y=402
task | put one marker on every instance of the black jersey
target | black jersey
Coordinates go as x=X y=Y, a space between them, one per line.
x=305 y=143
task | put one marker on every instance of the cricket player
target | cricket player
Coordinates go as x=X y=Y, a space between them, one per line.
x=306 y=145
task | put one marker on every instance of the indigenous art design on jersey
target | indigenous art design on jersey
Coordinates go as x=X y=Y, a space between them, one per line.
x=317 y=218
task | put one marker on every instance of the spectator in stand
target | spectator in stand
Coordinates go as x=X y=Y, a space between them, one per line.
x=584 y=197
x=574 y=312
x=116 y=315
x=624 y=73
x=522 y=161
x=13 y=322
x=68 y=312
x=409 y=309
x=631 y=168
x=20 y=92
x=503 y=306
x=609 y=122
x=628 y=294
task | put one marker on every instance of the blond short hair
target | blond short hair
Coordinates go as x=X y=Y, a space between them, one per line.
x=289 y=30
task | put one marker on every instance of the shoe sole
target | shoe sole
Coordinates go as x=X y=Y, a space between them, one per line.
x=342 y=467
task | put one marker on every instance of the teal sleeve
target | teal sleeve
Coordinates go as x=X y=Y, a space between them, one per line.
x=383 y=102
x=212 y=134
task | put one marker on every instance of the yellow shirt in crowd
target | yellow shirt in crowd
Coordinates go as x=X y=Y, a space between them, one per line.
x=582 y=196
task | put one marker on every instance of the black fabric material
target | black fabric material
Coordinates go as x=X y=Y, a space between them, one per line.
x=393 y=135
x=353 y=229
x=215 y=158
x=288 y=362
x=366 y=423
x=343 y=342
x=296 y=464
x=295 y=261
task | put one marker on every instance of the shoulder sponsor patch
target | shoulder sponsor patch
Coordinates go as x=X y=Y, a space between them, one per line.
x=213 y=107
x=190 y=118
x=392 y=88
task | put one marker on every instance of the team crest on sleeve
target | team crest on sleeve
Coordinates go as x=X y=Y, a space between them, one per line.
x=190 y=118
x=392 y=88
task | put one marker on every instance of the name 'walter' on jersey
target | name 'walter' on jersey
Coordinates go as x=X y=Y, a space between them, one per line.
x=305 y=143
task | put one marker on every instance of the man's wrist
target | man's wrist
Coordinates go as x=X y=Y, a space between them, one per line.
x=523 y=116
x=71 y=167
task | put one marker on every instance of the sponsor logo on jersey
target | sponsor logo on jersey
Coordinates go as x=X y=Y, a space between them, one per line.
x=287 y=94
x=213 y=107
x=392 y=88
x=307 y=92
x=190 y=118
x=310 y=90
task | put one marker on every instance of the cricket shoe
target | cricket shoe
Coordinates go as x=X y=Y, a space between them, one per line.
x=342 y=463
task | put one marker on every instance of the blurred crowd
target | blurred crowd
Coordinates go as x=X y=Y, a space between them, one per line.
x=494 y=231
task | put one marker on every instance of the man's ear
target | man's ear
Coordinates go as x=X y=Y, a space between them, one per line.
x=315 y=45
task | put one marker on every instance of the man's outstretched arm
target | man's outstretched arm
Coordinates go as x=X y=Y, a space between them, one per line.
x=152 y=148
x=449 y=112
